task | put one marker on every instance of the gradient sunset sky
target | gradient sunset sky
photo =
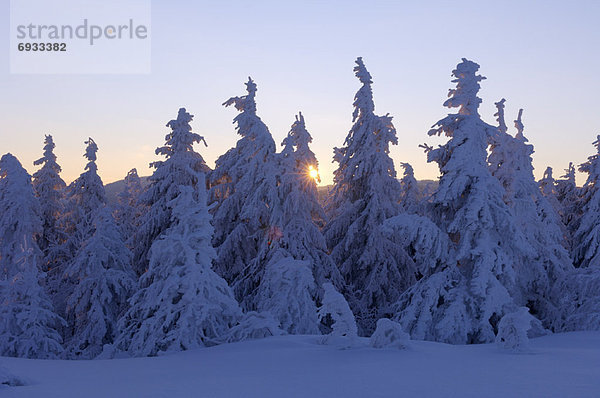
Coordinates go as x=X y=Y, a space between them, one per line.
x=543 y=56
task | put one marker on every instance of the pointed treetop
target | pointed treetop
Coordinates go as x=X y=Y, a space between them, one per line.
x=181 y=138
x=296 y=149
x=464 y=96
x=90 y=150
x=519 y=125
x=592 y=166
x=361 y=72
x=298 y=136
x=250 y=87
x=131 y=189
x=132 y=181
x=182 y=121
x=246 y=103
x=90 y=154
x=48 y=151
x=570 y=173
x=8 y=162
x=131 y=175
x=500 y=116
x=299 y=124
x=363 y=100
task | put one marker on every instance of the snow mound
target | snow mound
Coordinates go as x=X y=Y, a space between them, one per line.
x=253 y=325
x=512 y=330
x=389 y=334
x=8 y=379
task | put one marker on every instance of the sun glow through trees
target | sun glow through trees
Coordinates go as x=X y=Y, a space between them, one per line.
x=313 y=173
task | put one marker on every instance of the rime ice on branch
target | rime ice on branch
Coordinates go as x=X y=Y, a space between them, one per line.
x=409 y=191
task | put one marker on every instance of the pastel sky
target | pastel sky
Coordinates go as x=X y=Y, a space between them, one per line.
x=543 y=56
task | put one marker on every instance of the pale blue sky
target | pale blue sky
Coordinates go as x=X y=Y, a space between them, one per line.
x=543 y=56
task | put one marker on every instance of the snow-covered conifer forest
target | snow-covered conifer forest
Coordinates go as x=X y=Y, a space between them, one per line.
x=199 y=257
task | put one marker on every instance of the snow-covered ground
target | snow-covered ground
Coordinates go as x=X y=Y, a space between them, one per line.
x=560 y=365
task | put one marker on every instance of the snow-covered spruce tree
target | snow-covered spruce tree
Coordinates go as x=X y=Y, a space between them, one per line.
x=180 y=168
x=243 y=187
x=294 y=244
x=409 y=191
x=299 y=213
x=102 y=268
x=510 y=161
x=566 y=188
x=580 y=290
x=567 y=195
x=49 y=189
x=365 y=193
x=128 y=209
x=182 y=304
x=548 y=188
x=84 y=197
x=21 y=213
x=463 y=302
x=586 y=240
x=27 y=320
